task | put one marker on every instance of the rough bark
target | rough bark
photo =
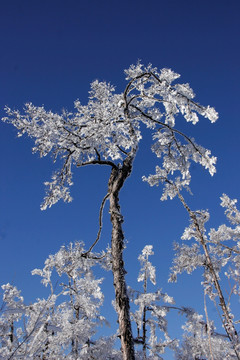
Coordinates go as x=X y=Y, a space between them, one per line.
x=116 y=181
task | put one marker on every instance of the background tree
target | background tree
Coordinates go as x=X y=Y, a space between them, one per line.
x=212 y=253
x=65 y=324
x=150 y=316
x=107 y=131
x=62 y=325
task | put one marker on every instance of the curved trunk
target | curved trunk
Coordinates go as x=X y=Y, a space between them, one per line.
x=116 y=181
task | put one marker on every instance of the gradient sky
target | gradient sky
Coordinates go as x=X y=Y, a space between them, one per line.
x=50 y=52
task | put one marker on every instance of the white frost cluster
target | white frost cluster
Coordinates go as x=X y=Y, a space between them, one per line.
x=147 y=269
x=196 y=343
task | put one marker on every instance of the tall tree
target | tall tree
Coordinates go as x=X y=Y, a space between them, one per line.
x=107 y=131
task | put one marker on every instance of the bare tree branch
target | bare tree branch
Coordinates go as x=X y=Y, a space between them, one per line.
x=100 y=226
x=98 y=162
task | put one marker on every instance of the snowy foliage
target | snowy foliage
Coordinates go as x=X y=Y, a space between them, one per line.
x=108 y=129
x=63 y=325
x=225 y=242
x=223 y=245
x=147 y=270
x=213 y=252
x=197 y=344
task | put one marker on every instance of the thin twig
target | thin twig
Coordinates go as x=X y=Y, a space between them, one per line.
x=232 y=289
x=208 y=327
x=98 y=155
x=100 y=226
x=123 y=151
x=168 y=127
x=229 y=248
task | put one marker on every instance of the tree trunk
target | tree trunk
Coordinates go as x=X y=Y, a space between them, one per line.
x=116 y=181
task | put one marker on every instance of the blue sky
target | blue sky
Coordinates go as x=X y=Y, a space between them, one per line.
x=50 y=52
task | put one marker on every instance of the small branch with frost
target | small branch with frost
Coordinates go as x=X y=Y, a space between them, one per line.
x=98 y=162
x=149 y=117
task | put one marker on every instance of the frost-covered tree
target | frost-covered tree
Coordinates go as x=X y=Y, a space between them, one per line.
x=212 y=252
x=107 y=131
x=77 y=316
x=150 y=316
x=63 y=325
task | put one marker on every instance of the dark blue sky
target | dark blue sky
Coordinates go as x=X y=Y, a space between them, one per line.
x=50 y=52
